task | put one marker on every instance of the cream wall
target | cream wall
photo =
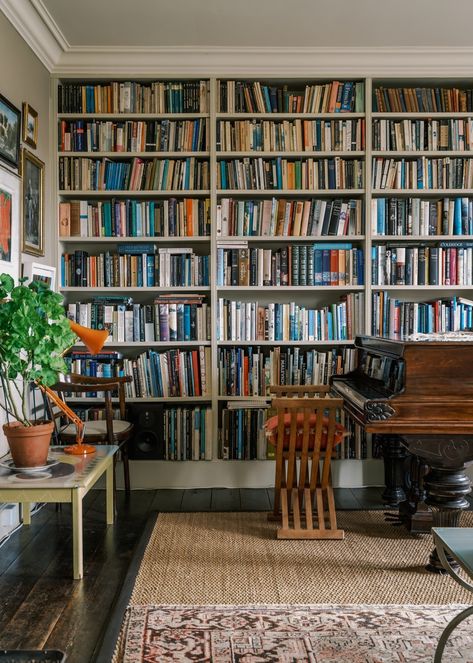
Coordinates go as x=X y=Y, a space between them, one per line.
x=24 y=78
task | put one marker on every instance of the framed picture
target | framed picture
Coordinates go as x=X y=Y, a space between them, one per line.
x=10 y=122
x=36 y=271
x=9 y=223
x=33 y=194
x=30 y=125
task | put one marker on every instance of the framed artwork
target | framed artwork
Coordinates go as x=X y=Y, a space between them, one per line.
x=10 y=122
x=9 y=223
x=33 y=201
x=30 y=126
x=36 y=271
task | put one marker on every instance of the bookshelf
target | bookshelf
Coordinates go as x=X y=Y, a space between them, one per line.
x=259 y=163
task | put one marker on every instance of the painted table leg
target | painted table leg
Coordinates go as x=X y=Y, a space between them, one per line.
x=110 y=494
x=26 y=513
x=77 y=547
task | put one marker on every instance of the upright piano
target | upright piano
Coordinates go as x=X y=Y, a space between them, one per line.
x=418 y=395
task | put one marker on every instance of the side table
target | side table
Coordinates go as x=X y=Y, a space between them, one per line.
x=455 y=550
x=67 y=480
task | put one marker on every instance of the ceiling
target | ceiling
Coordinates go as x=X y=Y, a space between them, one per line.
x=279 y=23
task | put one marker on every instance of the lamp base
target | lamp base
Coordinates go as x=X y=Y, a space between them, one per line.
x=80 y=449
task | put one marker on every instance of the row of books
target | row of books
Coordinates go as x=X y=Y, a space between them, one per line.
x=414 y=216
x=250 y=371
x=422 y=100
x=177 y=266
x=133 y=136
x=84 y=174
x=186 y=433
x=134 y=97
x=423 y=135
x=242 y=435
x=391 y=316
x=105 y=364
x=168 y=318
x=311 y=174
x=290 y=135
x=260 y=97
x=294 y=265
x=289 y=218
x=446 y=264
x=169 y=374
x=253 y=321
x=172 y=217
x=422 y=173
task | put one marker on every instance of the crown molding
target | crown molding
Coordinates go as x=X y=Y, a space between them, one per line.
x=40 y=31
x=30 y=20
x=259 y=61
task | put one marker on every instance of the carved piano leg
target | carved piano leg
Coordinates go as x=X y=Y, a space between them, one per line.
x=394 y=455
x=446 y=491
x=446 y=483
x=414 y=513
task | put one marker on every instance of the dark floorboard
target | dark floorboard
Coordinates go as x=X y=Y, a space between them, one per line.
x=42 y=607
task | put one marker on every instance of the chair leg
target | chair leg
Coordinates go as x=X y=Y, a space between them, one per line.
x=126 y=468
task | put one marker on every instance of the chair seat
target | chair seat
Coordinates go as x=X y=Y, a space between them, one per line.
x=98 y=429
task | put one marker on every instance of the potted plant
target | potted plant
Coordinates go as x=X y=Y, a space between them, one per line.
x=34 y=334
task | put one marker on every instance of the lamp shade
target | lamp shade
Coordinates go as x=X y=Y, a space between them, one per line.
x=93 y=339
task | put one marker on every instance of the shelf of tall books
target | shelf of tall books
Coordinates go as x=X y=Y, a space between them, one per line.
x=233 y=234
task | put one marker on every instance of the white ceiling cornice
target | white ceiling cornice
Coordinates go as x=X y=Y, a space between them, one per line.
x=33 y=22
x=266 y=61
x=38 y=28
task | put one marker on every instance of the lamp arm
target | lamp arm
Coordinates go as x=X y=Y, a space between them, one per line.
x=70 y=414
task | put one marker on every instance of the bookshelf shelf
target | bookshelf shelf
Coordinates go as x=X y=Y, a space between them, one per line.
x=131 y=155
x=415 y=154
x=253 y=154
x=421 y=193
x=307 y=239
x=289 y=116
x=131 y=116
x=192 y=239
x=290 y=288
x=109 y=193
x=153 y=290
x=421 y=238
x=334 y=193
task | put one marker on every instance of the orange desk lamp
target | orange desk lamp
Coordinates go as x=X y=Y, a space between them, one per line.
x=94 y=340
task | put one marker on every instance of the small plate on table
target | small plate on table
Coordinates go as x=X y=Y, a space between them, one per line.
x=10 y=465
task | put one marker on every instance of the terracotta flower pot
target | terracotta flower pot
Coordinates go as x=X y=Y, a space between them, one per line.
x=29 y=445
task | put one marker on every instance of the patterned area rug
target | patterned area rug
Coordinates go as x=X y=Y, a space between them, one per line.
x=291 y=634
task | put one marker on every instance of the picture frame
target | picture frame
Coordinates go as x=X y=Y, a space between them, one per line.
x=29 y=125
x=9 y=223
x=36 y=271
x=10 y=124
x=32 y=234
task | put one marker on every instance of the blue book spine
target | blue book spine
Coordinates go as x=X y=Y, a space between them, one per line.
x=318 y=267
x=277 y=322
x=150 y=271
x=325 y=267
x=187 y=322
x=381 y=216
x=279 y=181
x=457 y=217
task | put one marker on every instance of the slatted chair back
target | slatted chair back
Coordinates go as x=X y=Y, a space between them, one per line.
x=305 y=437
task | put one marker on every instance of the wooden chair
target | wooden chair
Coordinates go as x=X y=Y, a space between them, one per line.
x=102 y=431
x=305 y=432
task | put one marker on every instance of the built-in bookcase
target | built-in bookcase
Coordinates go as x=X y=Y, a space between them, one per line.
x=256 y=227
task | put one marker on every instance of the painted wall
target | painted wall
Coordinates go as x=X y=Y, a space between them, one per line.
x=24 y=78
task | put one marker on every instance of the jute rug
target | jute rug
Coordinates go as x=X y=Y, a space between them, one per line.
x=291 y=634
x=219 y=588
x=234 y=558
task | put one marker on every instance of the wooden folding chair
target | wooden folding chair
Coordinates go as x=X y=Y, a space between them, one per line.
x=305 y=433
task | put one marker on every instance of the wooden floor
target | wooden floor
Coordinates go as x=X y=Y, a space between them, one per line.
x=41 y=607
